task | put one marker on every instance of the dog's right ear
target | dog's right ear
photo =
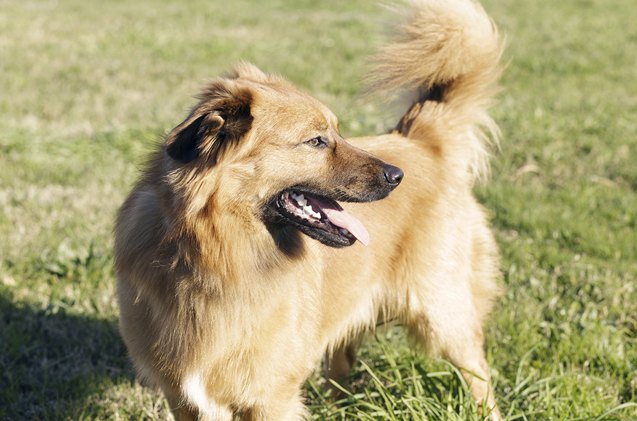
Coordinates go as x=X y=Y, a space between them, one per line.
x=221 y=118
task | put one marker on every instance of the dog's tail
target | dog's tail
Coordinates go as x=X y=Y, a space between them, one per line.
x=446 y=53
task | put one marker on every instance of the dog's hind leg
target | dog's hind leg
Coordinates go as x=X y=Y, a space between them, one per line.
x=444 y=321
x=469 y=358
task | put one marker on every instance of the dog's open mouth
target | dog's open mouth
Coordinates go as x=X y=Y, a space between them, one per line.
x=321 y=218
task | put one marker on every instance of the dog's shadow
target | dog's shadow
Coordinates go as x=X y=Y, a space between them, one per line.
x=53 y=364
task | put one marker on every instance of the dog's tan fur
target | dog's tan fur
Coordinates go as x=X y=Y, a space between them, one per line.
x=229 y=314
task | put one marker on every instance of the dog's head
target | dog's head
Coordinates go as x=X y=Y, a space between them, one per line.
x=258 y=148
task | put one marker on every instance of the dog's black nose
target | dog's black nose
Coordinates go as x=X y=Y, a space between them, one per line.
x=393 y=175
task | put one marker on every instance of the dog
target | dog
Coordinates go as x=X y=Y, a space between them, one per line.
x=257 y=238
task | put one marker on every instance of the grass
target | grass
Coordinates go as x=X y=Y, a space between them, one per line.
x=88 y=87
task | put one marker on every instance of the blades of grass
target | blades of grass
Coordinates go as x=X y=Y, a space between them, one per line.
x=618 y=408
x=386 y=397
x=339 y=387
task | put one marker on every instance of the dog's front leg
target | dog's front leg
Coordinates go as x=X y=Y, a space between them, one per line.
x=193 y=403
x=338 y=364
x=196 y=406
x=281 y=407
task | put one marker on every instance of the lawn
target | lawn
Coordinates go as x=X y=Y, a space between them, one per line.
x=87 y=88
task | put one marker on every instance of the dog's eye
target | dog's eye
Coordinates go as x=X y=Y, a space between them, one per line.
x=317 y=142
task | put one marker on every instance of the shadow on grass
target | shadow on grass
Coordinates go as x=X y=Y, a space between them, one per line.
x=51 y=362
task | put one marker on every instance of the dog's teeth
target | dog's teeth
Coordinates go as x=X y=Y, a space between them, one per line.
x=309 y=210
x=299 y=198
x=343 y=231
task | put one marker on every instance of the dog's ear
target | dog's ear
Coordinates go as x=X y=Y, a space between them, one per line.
x=184 y=141
x=245 y=70
x=221 y=118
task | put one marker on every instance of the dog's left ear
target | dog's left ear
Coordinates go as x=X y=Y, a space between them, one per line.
x=221 y=118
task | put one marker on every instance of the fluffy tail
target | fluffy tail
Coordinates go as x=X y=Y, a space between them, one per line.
x=446 y=53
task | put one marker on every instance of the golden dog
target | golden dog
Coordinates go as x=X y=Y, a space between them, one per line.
x=237 y=267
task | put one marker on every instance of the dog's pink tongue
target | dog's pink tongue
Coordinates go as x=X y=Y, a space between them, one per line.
x=341 y=218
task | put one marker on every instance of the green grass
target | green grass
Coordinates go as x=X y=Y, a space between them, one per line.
x=86 y=89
